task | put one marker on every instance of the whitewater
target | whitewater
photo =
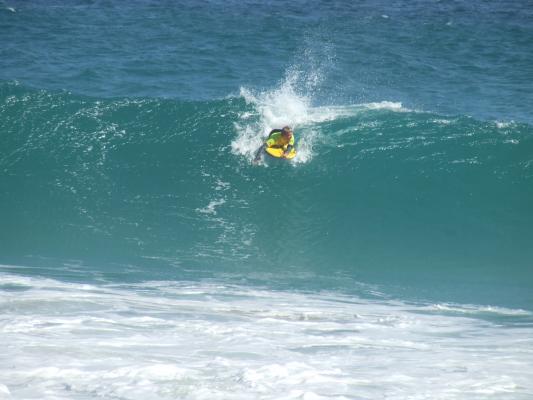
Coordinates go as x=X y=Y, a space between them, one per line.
x=209 y=340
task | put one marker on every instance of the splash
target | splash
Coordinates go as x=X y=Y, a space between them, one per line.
x=290 y=103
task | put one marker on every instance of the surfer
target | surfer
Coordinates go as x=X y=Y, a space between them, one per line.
x=280 y=138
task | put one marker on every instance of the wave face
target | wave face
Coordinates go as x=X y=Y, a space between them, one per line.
x=159 y=187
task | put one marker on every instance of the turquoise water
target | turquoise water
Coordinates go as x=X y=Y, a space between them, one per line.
x=395 y=249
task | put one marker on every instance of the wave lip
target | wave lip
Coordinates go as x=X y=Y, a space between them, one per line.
x=386 y=105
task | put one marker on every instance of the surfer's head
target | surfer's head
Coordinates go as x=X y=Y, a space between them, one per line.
x=286 y=131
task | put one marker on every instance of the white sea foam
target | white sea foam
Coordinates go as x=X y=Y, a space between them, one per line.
x=275 y=109
x=286 y=104
x=386 y=105
x=503 y=125
x=211 y=207
x=4 y=390
x=511 y=141
x=473 y=309
x=291 y=103
x=215 y=340
x=442 y=121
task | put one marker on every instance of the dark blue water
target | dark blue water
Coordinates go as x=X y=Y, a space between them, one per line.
x=128 y=132
x=453 y=57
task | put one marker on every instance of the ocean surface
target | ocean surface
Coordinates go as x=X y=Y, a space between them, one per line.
x=144 y=256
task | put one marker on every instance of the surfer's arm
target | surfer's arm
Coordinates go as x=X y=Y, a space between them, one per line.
x=270 y=143
x=288 y=150
x=259 y=151
x=290 y=146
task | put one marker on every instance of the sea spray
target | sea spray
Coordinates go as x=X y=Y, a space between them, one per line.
x=283 y=105
x=274 y=109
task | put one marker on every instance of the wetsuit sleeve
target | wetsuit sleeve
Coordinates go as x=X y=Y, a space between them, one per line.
x=258 y=153
x=289 y=146
x=273 y=138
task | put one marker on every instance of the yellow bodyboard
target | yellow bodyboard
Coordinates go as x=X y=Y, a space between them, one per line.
x=278 y=152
